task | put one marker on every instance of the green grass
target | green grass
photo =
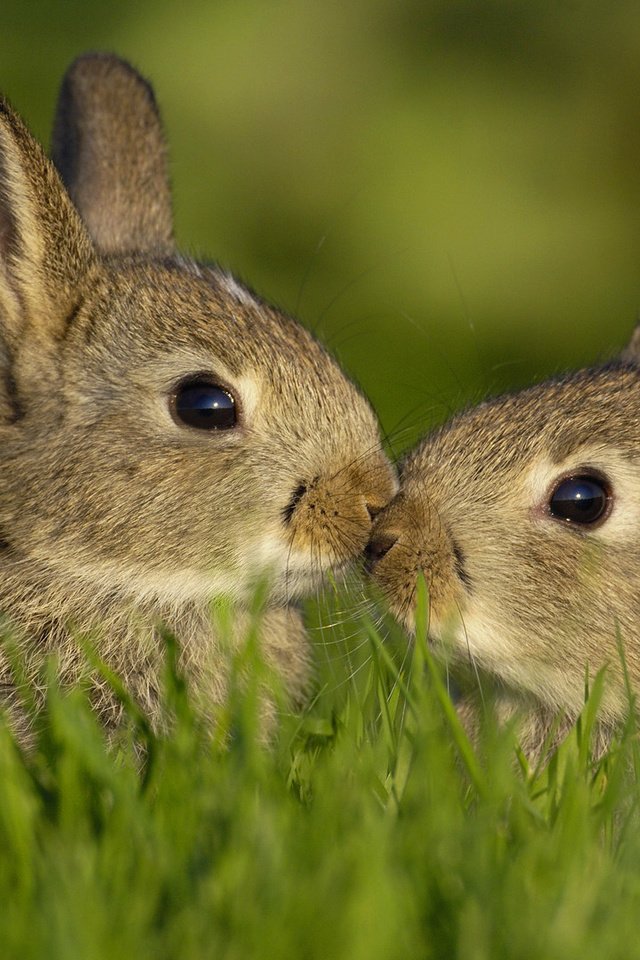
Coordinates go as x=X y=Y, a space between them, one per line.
x=370 y=829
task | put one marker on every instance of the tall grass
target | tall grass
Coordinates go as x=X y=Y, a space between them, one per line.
x=370 y=829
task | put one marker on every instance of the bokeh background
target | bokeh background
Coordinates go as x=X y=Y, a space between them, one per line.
x=448 y=191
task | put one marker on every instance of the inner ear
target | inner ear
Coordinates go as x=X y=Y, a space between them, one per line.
x=109 y=147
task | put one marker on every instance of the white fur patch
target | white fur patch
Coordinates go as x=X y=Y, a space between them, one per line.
x=249 y=390
x=170 y=586
x=235 y=289
x=268 y=559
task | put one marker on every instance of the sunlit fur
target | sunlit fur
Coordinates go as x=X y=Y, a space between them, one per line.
x=114 y=515
x=535 y=602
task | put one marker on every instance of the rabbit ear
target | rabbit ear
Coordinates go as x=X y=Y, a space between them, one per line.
x=45 y=250
x=109 y=147
x=631 y=353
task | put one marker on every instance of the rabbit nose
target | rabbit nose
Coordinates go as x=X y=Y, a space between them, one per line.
x=377 y=548
x=373 y=509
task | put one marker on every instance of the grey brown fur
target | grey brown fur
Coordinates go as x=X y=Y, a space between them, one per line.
x=114 y=516
x=529 y=602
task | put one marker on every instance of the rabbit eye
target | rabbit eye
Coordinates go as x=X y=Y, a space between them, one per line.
x=202 y=404
x=584 y=499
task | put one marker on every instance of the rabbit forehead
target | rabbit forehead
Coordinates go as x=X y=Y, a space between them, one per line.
x=151 y=309
x=173 y=318
x=553 y=423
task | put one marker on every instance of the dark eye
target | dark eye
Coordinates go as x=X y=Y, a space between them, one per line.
x=203 y=404
x=583 y=499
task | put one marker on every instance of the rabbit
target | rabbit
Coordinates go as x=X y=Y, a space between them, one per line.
x=523 y=514
x=168 y=440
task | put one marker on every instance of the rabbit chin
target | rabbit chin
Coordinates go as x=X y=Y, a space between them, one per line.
x=268 y=566
x=473 y=636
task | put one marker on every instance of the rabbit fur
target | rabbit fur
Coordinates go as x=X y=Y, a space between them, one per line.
x=520 y=599
x=115 y=516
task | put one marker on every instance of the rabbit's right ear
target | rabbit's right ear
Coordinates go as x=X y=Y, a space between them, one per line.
x=109 y=147
x=45 y=255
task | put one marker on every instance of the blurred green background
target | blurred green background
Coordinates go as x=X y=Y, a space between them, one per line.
x=447 y=190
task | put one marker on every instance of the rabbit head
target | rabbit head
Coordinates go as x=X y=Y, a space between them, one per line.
x=523 y=515
x=165 y=434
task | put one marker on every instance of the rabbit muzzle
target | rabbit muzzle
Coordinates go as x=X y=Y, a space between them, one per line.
x=408 y=540
x=328 y=519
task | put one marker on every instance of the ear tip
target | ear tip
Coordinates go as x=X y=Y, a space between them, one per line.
x=6 y=109
x=11 y=120
x=105 y=70
x=98 y=61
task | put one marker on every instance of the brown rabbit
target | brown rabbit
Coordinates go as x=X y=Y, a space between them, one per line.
x=166 y=437
x=524 y=516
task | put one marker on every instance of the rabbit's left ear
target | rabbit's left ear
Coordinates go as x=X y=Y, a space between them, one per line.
x=631 y=353
x=45 y=251
x=109 y=147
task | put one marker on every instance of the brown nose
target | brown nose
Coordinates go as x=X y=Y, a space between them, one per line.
x=377 y=548
x=373 y=509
